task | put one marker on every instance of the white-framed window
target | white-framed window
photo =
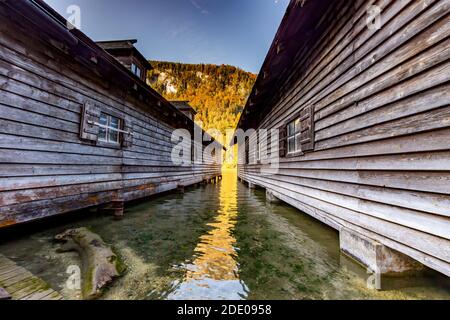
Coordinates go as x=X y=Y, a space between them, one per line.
x=294 y=137
x=136 y=70
x=109 y=128
x=258 y=148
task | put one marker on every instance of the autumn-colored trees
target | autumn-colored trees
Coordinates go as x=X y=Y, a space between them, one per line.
x=217 y=93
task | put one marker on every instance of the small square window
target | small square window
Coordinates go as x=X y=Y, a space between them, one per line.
x=136 y=70
x=294 y=137
x=109 y=128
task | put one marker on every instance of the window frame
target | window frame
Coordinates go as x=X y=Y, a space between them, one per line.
x=295 y=135
x=135 y=68
x=109 y=128
x=258 y=148
x=304 y=137
x=247 y=150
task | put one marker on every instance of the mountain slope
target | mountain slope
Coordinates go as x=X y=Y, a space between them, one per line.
x=217 y=93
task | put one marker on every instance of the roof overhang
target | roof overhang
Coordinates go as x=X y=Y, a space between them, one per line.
x=297 y=29
x=53 y=28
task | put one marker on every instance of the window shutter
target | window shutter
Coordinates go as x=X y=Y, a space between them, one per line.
x=127 y=140
x=247 y=150
x=307 y=128
x=269 y=144
x=90 y=113
x=282 y=144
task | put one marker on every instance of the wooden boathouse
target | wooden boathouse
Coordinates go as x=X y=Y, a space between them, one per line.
x=359 y=92
x=79 y=126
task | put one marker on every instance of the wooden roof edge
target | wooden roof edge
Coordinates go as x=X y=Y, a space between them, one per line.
x=84 y=40
x=126 y=44
x=131 y=41
x=304 y=12
x=183 y=105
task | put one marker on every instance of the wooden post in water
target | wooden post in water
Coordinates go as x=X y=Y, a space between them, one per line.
x=115 y=207
x=118 y=209
x=270 y=197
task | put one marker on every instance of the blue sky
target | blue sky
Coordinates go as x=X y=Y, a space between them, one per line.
x=235 y=32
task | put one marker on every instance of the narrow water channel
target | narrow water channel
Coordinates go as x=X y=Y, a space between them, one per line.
x=220 y=241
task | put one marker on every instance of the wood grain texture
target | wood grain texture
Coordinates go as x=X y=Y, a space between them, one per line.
x=382 y=128
x=51 y=161
x=21 y=284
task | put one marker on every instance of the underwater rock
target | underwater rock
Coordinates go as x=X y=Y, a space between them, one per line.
x=100 y=265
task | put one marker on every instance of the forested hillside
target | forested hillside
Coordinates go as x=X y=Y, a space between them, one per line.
x=218 y=93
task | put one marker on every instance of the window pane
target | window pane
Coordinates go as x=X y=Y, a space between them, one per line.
x=257 y=147
x=102 y=134
x=114 y=123
x=291 y=129
x=138 y=72
x=298 y=143
x=291 y=145
x=297 y=125
x=103 y=119
x=113 y=136
x=102 y=131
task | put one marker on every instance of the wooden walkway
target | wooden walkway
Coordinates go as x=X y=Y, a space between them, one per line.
x=22 y=284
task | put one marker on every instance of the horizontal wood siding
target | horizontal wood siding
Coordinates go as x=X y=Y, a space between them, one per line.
x=381 y=163
x=45 y=169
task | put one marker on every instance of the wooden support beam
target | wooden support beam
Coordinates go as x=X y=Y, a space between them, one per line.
x=118 y=207
x=114 y=208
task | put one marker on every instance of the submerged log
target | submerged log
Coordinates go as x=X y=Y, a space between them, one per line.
x=100 y=265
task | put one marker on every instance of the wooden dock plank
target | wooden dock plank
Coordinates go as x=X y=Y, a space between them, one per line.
x=17 y=278
x=31 y=289
x=4 y=295
x=40 y=295
x=12 y=273
x=21 y=284
x=7 y=270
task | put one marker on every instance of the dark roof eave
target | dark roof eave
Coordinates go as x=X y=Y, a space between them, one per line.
x=75 y=37
x=296 y=25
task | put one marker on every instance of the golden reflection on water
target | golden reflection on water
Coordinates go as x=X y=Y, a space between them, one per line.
x=214 y=273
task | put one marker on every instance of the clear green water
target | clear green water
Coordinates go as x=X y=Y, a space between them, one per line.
x=216 y=242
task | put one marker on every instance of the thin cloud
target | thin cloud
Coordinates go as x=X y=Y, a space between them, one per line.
x=199 y=7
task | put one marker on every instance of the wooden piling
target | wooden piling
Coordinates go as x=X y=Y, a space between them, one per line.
x=118 y=208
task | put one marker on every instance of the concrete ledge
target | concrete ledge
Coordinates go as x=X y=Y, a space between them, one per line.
x=377 y=257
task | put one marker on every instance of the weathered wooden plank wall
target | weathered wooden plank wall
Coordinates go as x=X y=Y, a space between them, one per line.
x=381 y=164
x=45 y=168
